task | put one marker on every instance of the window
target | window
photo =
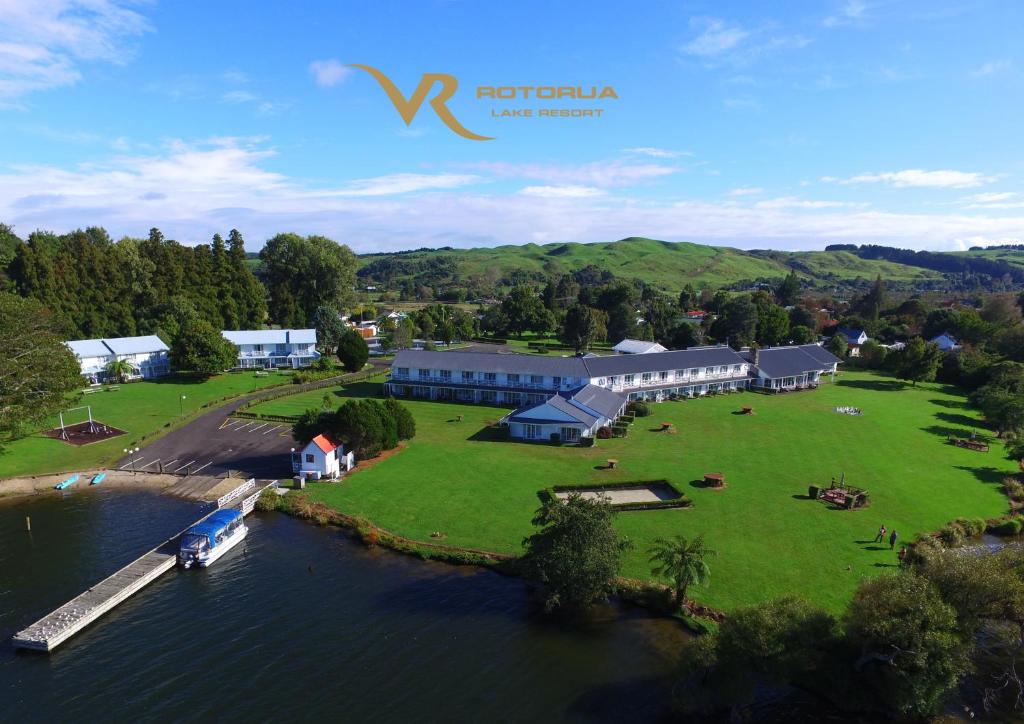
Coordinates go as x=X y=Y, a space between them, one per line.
x=694 y=372
x=309 y=458
x=557 y=381
x=531 y=432
x=737 y=368
x=402 y=372
x=513 y=379
x=663 y=375
x=446 y=375
x=424 y=374
x=468 y=376
x=536 y=379
x=490 y=377
x=613 y=381
x=645 y=378
x=628 y=379
x=723 y=369
x=709 y=370
x=570 y=434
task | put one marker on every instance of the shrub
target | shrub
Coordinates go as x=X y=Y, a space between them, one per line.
x=556 y=439
x=586 y=442
x=971 y=528
x=604 y=433
x=813 y=491
x=1007 y=527
x=639 y=408
x=952 y=535
x=1014 y=489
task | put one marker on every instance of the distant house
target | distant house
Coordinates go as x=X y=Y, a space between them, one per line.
x=392 y=314
x=695 y=315
x=787 y=368
x=946 y=342
x=323 y=457
x=367 y=329
x=854 y=339
x=569 y=416
x=637 y=346
x=147 y=356
x=269 y=348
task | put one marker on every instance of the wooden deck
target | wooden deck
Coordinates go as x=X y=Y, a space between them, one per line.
x=52 y=630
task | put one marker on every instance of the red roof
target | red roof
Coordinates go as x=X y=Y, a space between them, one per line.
x=325 y=442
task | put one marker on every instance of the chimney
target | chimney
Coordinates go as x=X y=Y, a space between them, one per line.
x=757 y=355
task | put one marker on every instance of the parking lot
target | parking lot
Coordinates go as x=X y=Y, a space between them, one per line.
x=216 y=443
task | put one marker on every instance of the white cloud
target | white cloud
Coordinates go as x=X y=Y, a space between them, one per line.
x=988 y=198
x=564 y=192
x=718 y=42
x=193 y=189
x=990 y=68
x=656 y=152
x=792 y=202
x=239 y=96
x=741 y=104
x=852 y=11
x=328 y=73
x=603 y=174
x=918 y=178
x=45 y=41
x=715 y=39
x=746 y=191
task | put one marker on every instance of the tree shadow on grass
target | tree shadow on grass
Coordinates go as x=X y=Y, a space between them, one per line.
x=952 y=404
x=876 y=385
x=887 y=565
x=985 y=474
x=956 y=419
x=947 y=432
x=798 y=496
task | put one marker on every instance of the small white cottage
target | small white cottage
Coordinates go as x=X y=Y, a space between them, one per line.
x=322 y=458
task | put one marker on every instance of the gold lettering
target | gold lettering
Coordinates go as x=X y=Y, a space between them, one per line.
x=608 y=92
x=484 y=92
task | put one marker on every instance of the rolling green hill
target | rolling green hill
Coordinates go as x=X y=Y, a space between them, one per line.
x=663 y=264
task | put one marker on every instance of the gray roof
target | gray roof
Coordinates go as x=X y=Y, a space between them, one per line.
x=637 y=346
x=523 y=364
x=788 y=362
x=117 y=346
x=270 y=336
x=821 y=354
x=600 y=399
x=655 y=361
x=559 y=403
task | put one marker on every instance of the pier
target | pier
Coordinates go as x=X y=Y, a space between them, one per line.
x=52 y=630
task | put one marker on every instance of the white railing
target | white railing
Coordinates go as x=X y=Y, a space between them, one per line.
x=228 y=497
x=249 y=504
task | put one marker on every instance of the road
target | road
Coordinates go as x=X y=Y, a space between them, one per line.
x=213 y=444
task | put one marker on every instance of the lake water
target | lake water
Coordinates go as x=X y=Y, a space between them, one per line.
x=300 y=622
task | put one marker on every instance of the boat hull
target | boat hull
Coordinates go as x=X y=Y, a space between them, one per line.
x=211 y=556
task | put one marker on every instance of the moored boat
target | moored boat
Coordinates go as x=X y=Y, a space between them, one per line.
x=65 y=484
x=208 y=540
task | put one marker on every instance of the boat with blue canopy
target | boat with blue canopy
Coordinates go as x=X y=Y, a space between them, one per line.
x=212 y=537
x=65 y=484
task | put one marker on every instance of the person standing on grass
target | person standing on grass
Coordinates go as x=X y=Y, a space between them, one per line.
x=892 y=539
x=881 y=534
x=902 y=555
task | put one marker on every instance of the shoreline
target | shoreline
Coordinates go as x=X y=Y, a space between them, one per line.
x=29 y=486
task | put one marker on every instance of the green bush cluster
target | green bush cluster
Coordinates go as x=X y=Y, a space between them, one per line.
x=1010 y=527
x=639 y=408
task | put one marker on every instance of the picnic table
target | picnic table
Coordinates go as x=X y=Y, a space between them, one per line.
x=666 y=426
x=714 y=480
x=969 y=444
x=747 y=410
x=835 y=495
x=612 y=462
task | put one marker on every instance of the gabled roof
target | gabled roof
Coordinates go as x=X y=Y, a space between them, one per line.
x=270 y=336
x=325 y=442
x=554 y=404
x=136 y=345
x=852 y=335
x=677 y=359
x=821 y=354
x=790 y=361
x=117 y=346
x=89 y=348
x=599 y=399
x=523 y=364
x=637 y=346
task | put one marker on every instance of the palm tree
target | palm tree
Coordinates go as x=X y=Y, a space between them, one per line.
x=681 y=562
x=119 y=369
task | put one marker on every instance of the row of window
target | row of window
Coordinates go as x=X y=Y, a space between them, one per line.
x=648 y=378
x=535 y=432
x=468 y=377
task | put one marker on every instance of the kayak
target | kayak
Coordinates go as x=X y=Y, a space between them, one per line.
x=67 y=483
x=97 y=479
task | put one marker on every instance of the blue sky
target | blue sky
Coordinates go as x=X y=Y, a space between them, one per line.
x=786 y=125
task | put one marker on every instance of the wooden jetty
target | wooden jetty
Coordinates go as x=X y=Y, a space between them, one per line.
x=52 y=630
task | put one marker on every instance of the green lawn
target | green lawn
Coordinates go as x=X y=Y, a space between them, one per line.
x=139 y=408
x=770 y=539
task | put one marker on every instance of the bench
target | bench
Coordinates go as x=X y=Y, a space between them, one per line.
x=612 y=463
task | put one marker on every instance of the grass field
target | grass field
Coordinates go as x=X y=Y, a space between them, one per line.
x=770 y=539
x=139 y=408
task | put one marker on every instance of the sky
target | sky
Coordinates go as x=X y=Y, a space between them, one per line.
x=747 y=124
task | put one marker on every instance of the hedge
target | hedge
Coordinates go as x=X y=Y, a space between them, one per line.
x=679 y=502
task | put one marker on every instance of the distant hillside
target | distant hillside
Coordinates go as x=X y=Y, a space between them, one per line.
x=666 y=265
